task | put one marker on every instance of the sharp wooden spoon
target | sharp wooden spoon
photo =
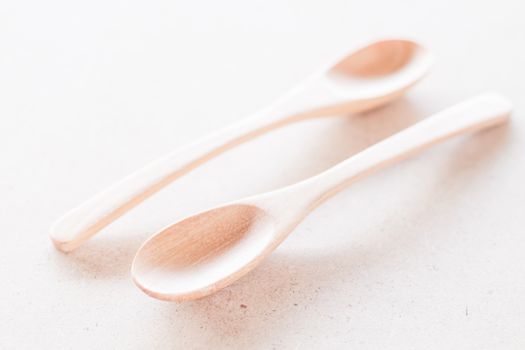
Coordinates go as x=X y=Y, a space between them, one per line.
x=369 y=77
x=208 y=251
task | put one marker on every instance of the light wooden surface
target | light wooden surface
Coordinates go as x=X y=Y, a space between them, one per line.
x=426 y=254
x=369 y=76
x=208 y=251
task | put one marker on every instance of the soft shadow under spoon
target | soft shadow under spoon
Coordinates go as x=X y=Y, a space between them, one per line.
x=369 y=77
x=208 y=251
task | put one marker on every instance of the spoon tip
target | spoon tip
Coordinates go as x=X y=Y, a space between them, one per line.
x=203 y=253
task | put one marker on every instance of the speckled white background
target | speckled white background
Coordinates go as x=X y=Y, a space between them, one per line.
x=428 y=254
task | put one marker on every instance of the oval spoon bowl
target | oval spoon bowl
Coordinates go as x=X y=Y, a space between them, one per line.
x=204 y=252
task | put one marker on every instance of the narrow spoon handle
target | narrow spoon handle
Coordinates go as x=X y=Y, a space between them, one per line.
x=474 y=114
x=310 y=100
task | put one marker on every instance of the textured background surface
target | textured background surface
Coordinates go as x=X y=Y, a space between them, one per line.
x=429 y=253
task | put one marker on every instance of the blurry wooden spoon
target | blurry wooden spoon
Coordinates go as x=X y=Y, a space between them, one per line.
x=208 y=251
x=367 y=78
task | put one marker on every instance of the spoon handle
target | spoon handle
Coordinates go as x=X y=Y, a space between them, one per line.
x=474 y=114
x=310 y=100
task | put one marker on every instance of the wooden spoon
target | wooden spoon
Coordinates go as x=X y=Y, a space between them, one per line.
x=369 y=77
x=208 y=251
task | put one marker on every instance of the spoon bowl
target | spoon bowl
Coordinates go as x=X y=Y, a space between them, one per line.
x=379 y=69
x=204 y=252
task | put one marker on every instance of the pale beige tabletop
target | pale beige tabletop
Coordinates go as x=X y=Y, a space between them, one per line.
x=427 y=254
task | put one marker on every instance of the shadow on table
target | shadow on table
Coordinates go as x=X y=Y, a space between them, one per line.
x=105 y=258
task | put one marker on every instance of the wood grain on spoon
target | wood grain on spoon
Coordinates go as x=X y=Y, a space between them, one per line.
x=208 y=251
x=370 y=77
